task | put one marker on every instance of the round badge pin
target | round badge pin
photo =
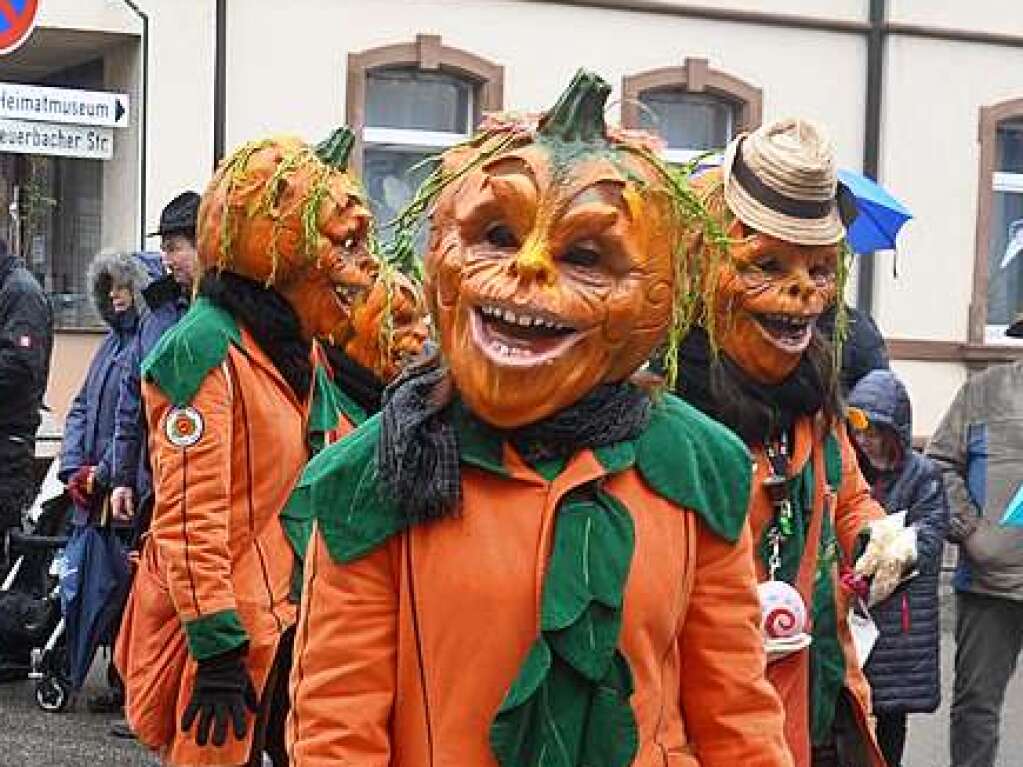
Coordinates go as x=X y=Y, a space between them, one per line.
x=183 y=426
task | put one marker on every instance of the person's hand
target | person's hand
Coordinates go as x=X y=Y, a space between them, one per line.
x=890 y=554
x=223 y=691
x=81 y=486
x=122 y=503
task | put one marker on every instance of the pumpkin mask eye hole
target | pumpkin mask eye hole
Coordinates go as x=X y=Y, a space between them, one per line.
x=769 y=265
x=500 y=236
x=582 y=255
x=822 y=273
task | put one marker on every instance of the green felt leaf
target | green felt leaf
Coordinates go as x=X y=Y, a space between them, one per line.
x=186 y=353
x=569 y=705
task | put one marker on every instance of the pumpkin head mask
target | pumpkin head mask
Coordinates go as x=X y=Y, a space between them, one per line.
x=781 y=261
x=550 y=267
x=289 y=215
x=770 y=293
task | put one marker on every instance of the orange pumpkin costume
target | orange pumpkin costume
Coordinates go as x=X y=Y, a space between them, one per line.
x=841 y=508
x=216 y=588
x=757 y=365
x=523 y=560
x=404 y=655
x=217 y=568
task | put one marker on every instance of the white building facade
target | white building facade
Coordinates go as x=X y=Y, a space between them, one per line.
x=927 y=96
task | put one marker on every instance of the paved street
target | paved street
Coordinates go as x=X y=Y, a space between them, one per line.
x=29 y=737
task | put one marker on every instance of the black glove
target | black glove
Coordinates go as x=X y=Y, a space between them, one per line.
x=222 y=692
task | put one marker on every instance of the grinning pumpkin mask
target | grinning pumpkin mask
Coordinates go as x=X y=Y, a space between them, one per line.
x=780 y=262
x=550 y=265
x=769 y=294
x=289 y=215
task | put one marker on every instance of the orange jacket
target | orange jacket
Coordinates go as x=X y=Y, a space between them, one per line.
x=404 y=654
x=216 y=571
x=849 y=510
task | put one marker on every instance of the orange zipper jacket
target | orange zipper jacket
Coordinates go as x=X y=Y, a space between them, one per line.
x=408 y=644
x=216 y=570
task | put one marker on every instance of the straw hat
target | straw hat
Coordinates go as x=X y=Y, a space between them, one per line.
x=781 y=180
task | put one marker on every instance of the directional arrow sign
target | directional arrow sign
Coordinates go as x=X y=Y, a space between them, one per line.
x=63 y=105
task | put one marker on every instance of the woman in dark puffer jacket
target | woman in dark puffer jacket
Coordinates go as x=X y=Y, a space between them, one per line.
x=904 y=668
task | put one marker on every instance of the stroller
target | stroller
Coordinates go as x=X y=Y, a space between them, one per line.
x=61 y=598
x=32 y=636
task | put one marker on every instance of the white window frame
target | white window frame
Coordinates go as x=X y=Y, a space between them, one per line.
x=1006 y=183
x=680 y=155
x=414 y=140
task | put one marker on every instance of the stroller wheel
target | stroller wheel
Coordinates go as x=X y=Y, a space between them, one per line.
x=53 y=695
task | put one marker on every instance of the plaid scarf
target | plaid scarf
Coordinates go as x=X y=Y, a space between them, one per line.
x=418 y=455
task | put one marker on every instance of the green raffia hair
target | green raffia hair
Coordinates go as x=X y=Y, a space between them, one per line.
x=571 y=130
x=333 y=154
x=575 y=128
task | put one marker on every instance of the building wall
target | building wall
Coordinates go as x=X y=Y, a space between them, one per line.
x=301 y=86
x=930 y=152
x=180 y=130
x=294 y=82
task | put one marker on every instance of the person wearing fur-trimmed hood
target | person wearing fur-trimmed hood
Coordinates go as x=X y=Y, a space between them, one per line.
x=115 y=281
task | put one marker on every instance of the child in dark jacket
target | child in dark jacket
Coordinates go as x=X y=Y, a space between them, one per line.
x=904 y=668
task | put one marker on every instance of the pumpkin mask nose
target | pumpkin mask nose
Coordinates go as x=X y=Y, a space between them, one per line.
x=533 y=263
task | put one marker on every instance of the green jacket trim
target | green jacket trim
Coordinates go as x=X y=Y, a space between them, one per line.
x=329 y=401
x=695 y=462
x=569 y=704
x=683 y=456
x=215 y=634
x=339 y=491
x=186 y=353
x=827 y=660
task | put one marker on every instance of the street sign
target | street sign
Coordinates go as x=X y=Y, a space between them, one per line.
x=17 y=20
x=24 y=137
x=63 y=105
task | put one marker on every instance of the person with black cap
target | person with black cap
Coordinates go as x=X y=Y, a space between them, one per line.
x=979 y=448
x=168 y=300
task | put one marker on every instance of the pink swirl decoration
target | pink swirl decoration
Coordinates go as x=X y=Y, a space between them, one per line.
x=781 y=622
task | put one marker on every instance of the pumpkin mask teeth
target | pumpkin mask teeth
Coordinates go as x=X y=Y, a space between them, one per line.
x=555 y=258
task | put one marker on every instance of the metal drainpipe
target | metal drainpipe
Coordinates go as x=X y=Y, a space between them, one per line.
x=872 y=136
x=144 y=128
x=220 y=83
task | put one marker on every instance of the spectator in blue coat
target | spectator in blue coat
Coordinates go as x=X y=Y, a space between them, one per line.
x=904 y=668
x=116 y=281
x=167 y=299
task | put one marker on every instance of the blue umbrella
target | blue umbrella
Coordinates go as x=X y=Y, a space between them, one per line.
x=95 y=571
x=879 y=215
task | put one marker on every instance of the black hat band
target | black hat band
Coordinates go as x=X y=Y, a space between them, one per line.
x=772 y=198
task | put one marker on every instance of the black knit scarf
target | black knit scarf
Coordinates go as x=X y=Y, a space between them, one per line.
x=358 y=382
x=755 y=411
x=270 y=319
x=418 y=453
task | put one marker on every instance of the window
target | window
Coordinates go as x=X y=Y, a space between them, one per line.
x=1005 y=253
x=692 y=107
x=410 y=102
x=998 y=262
x=410 y=115
x=53 y=208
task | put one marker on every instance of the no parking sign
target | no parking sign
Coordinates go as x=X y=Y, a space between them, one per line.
x=17 y=19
